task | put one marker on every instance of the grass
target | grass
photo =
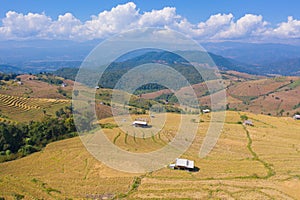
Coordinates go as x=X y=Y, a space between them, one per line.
x=294 y=84
x=115 y=139
x=241 y=166
x=108 y=126
x=270 y=170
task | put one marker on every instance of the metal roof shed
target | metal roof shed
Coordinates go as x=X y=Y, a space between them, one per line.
x=297 y=117
x=206 y=111
x=185 y=163
x=139 y=123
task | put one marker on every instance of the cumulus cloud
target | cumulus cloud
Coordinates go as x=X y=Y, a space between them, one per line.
x=161 y=18
x=214 y=25
x=248 y=25
x=66 y=26
x=117 y=19
x=127 y=16
x=17 y=25
x=289 y=29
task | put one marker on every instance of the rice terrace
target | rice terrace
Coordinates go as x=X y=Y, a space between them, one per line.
x=259 y=161
x=149 y=100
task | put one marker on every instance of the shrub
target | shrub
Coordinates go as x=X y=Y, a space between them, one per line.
x=244 y=117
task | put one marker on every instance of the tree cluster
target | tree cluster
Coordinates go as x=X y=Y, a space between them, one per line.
x=18 y=140
x=7 y=77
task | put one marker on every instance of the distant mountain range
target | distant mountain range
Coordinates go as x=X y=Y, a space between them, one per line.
x=254 y=53
x=260 y=59
x=122 y=65
x=10 y=69
x=284 y=67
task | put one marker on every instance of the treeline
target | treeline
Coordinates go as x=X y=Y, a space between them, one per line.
x=150 y=87
x=114 y=72
x=18 y=140
x=67 y=73
x=140 y=106
x=7 y=77
x=170 y=98
x=49 y=78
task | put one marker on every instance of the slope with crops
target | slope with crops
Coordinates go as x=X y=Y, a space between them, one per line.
x=258 y=162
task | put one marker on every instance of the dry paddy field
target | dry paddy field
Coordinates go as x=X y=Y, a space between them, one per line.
x=259 y=162
x=261 y=95
x=35 y=89
x=22 y=109
x=267 y=96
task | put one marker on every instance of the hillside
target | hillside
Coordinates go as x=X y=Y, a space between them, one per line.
x=175 y=60
x=37 y=86
x=257 y=94
x=275 y=96
x=33 y=97
x=258 y=162
x=248 y=162
x=284 y=67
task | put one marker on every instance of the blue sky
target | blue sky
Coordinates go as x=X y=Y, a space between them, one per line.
x=195 y=10
x=274 y=11
x=268 y=19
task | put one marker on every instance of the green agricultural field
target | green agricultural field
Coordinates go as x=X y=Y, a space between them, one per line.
x=259 y=162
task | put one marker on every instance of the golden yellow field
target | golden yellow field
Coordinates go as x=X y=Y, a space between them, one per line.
x=22 y=109
x=259 y=162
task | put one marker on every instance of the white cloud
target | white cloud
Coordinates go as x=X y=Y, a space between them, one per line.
x=214 y=25
x=117 y=19
x=127 y=16
x=65 y=27
x=247 y=26
x=17 y=25
x=289 y=29
x=165 y=17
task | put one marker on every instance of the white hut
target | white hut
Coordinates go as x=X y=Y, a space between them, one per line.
x=139 y=124
x=248 y=123
x=64 y=85
x=297 y=117
x=206 y=111
x=183 y=164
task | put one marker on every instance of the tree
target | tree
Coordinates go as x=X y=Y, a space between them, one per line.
x=8 y=152
x=281 y=112
x=23 y=139
x=76 y=92
x=244 y=117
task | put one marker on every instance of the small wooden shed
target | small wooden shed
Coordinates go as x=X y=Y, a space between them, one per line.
x=248 y=123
